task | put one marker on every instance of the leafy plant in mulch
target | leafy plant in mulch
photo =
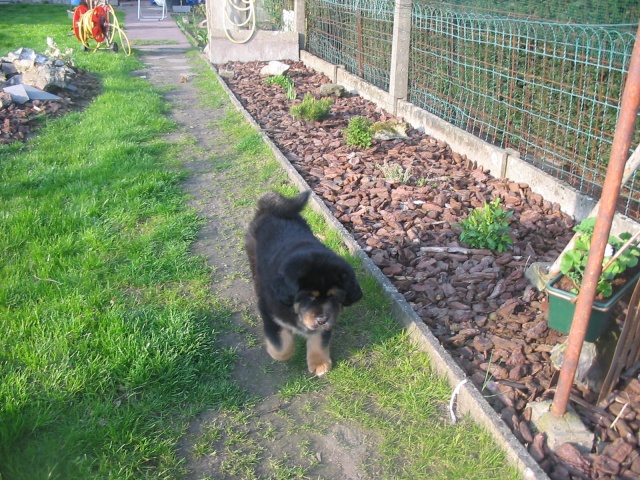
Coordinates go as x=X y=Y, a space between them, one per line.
x=617 y=260
x=487 y=227
x=358 y=133
x=285 y=82
x=310 y=109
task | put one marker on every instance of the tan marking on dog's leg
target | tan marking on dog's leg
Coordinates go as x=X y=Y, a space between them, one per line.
x=318 y=359
x=286 y=350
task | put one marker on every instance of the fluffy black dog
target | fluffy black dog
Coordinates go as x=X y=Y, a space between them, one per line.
x=301 y=284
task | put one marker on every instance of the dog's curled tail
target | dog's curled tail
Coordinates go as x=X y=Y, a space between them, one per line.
x=280 y=206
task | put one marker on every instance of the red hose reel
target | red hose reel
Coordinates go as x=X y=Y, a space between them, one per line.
x=97 y=24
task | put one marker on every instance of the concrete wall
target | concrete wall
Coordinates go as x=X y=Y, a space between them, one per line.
x=260 y=46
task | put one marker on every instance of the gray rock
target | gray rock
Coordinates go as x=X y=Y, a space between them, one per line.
x=330 y=90
x=23 y=93
x=274 y=68
x=5 y=99
x=45 y=76
x=389 y=130
x=229 y=74
x=587 y=360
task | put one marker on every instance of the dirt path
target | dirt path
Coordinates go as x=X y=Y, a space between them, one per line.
x=274 y=438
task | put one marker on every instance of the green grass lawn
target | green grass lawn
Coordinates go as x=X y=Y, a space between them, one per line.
x=107 y=325
x=106 y=332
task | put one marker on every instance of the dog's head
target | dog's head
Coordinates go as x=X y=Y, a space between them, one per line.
x=317 y=289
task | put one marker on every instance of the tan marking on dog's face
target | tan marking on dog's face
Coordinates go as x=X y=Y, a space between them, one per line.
x=309 y=321
x=318 y=359
x=318 y=310
x=287 y=346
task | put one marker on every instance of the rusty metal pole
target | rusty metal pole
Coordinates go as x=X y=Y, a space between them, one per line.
x=611 y=190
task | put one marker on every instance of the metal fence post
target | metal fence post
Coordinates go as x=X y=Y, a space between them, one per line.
x=619 y=153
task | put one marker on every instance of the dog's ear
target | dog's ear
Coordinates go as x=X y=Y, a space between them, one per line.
x=351 y=287
x=284 y=290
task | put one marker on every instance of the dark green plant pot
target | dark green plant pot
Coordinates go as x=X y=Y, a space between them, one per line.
x=562 y=308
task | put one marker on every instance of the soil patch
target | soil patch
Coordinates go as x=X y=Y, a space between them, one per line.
x=288 y=438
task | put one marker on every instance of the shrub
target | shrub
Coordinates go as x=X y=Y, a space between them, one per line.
x=311 y=109
x=358 y=133
x=487 y=227
x=285 y=82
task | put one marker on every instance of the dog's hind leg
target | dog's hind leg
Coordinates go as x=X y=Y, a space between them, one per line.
x=318 y=359
x=280 y=343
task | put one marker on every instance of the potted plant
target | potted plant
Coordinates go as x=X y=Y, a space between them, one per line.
x=620 y=273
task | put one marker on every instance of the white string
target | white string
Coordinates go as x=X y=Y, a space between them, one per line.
x=453 y=396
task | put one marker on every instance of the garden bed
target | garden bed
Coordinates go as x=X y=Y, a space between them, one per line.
x=478 y=304
x=19 y=121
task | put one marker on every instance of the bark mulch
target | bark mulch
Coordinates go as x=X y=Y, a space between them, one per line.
x=479 y=304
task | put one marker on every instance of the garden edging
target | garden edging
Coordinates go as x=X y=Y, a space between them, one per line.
x=469 y=400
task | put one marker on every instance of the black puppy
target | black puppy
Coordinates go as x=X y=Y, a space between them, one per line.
x=301 y=284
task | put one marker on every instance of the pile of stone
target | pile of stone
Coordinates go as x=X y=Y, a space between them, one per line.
x=33 y=85
x=27 y=75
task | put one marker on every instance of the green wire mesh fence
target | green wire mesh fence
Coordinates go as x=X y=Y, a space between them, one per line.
x=548 y=90
x=355 y=34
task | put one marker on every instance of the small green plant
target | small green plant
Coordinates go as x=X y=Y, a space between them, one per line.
x=290 y=92
x=395 y=172
x=358 y=133
x=487 y=227
x=193 y=24
x=574 y=261
x=311 y=109
x=285 y=82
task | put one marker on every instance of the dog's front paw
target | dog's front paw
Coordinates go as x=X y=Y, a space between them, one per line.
x=284 y=350
x=318 y=359
x=319 y=366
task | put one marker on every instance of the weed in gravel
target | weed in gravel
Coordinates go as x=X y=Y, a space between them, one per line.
x=283 y=469
x=269 y=432
x=298 y=385
x=358 y=132
x=395 y=172
x=211 y=433
x=285 y=82
x=487 y=227
x=310 y=109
